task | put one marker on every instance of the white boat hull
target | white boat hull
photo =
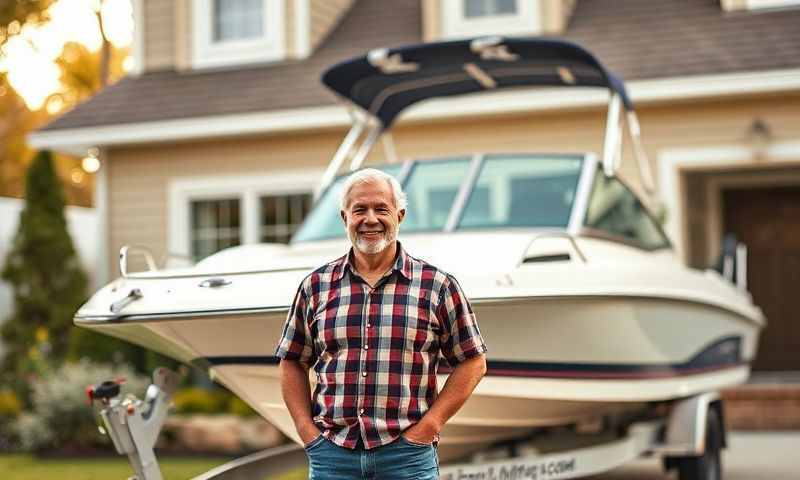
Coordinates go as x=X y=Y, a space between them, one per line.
x=552 y=361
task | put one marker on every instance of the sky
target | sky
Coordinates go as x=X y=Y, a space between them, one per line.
x=29 y=56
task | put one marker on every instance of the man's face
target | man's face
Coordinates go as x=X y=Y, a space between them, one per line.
x=371 y=217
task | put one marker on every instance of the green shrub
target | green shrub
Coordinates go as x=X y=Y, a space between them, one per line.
x=45 y=274
x=61 y=416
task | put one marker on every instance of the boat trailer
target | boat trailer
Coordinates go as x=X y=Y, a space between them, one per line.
x=689 y=437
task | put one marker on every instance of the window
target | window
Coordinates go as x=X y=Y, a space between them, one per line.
x=523 y=191
x=281 y=216
x=234 y=32
x=616 y=210
x=486 y=8
x=469 y=18
x=238 y=19
x=216 y=225
x=208 y=214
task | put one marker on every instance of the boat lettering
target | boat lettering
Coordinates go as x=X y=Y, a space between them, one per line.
x=518 y=471
x=549 y=469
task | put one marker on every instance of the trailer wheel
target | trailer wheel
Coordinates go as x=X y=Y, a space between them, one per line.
x=707 y=466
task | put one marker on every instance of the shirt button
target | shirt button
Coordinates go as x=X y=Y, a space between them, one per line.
x=363 y=374
x=369 y=325
x=361 y=412
x=366 y=347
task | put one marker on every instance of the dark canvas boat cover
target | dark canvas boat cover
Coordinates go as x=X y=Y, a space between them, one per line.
x=385 y=82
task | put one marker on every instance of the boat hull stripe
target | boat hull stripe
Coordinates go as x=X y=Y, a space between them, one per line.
x=722 y=354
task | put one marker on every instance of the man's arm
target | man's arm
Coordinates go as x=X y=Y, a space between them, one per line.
x=296 y=393
x=457 y=389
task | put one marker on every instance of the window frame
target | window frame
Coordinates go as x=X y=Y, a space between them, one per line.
x=455 y=25
x=247 y=189
x=771 y=4
x=206 y=53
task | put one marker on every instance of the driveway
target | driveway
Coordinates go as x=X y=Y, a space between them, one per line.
x=750 y=456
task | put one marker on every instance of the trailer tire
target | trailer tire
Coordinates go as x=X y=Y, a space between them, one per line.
x=707 y=466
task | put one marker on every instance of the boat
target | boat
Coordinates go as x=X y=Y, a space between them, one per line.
x=588 y=313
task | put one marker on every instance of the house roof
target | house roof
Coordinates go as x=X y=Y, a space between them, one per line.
x=635 y=39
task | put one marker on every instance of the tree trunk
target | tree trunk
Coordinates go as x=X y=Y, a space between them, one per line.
x=105 y=50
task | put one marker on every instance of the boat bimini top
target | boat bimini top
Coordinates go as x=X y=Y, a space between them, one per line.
x=379 y=86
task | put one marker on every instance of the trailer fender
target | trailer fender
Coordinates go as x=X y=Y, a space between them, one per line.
x=685 y=432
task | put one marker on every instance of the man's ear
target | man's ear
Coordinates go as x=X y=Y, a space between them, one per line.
x=401 y=214
x=344 y=216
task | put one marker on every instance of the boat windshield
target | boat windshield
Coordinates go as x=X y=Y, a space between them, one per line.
x=522 y=191
x=515 y=190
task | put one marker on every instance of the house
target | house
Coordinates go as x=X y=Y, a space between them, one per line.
x=222 y=131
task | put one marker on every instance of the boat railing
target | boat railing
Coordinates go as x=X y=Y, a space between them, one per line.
x=554 y=234
x=734 y=266
x=126 y=251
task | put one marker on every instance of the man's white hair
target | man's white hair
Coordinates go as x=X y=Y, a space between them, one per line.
x=371 y=175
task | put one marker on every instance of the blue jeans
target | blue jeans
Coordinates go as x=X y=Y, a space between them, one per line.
x=399 y=460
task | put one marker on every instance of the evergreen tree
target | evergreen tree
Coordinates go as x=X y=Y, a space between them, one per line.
x=46 y=276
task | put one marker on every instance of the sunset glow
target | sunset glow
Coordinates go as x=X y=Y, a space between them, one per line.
x=29 y=56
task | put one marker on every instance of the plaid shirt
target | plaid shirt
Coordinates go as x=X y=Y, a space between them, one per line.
x=375 y=351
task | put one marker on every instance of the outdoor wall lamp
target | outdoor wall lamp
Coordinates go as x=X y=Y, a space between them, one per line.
x=759 y=136
x=90 y=162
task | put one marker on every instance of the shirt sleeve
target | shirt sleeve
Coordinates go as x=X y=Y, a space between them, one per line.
x=297 y=343
x=461 y=339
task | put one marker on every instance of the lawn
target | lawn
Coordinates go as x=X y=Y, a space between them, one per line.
x=26 y=467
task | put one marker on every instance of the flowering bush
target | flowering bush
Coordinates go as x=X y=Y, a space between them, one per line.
x=61 y=417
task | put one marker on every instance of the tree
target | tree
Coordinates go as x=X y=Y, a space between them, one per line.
x=45 y=273
x=83 y=74
x=15 y=13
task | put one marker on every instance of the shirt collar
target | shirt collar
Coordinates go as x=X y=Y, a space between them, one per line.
x=402 y=264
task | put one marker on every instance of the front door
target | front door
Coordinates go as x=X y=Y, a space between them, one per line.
x=767 y=220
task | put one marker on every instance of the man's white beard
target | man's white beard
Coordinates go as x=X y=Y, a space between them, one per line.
x=370 y=248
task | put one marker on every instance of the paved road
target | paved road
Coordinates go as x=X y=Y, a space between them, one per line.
x=750 y=456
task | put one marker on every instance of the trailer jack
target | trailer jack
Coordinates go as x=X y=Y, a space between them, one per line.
x=134 y=424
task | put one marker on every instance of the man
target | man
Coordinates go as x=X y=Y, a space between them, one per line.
x=373 y=324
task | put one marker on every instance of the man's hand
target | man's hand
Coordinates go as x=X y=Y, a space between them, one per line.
x=455 y=392
x=424 y=431
x=308 y=432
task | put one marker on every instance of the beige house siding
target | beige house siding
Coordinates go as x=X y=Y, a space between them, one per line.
x=431 y=20
x=325 y=14
x=290 y=28
x=139 y=177
x=555 y=15
x=183 y=34
x=159 y=31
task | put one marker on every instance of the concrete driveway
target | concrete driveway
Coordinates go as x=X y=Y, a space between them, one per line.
x=750 y=456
